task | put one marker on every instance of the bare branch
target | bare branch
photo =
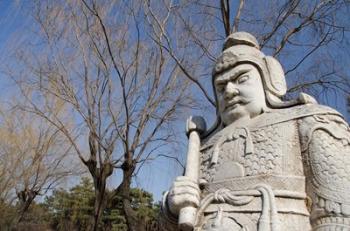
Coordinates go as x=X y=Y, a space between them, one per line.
x=238 y=16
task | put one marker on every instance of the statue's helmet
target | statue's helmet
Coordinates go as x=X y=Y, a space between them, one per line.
x=242 y=47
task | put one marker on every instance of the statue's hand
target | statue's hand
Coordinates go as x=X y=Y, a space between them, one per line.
x=184 y=192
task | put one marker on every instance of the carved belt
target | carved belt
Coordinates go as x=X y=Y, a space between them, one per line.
x=277 y=182
x=260 y=198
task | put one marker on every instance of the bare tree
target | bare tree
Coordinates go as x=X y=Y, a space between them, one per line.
x=34 y=159
x=122 y=90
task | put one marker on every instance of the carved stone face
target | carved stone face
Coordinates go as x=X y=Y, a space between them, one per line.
x=240 y=93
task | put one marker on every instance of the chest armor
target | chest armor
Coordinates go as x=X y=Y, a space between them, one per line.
x=249 y=152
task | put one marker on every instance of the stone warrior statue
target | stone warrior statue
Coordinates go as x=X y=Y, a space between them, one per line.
x=268 y=165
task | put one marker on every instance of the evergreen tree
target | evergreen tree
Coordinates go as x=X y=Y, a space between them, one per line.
x=73 y=209
x=141 y=202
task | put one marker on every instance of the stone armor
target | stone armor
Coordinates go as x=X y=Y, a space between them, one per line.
x=287 y=169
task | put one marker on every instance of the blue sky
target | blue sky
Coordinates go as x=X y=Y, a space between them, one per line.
x=11 y=21
x=12 y=24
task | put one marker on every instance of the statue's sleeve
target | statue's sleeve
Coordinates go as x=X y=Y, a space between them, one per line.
x=325 y=144
x=166 y=221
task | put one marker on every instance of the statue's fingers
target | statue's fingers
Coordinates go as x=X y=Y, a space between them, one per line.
x=185 y=199
x=186 y=184
x=186 y=179
x=184 y=191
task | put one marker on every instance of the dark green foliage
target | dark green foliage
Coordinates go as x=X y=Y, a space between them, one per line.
x=142 y=203
x=73 y=210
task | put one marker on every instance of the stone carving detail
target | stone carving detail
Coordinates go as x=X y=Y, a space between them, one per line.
x=268 y=164
x=267 y=156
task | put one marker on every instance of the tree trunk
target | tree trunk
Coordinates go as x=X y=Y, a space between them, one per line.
x=100 y=180
x=132 y=222
x=98 y=206
x=26 y=198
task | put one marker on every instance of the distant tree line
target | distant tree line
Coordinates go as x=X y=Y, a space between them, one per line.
x=73 y=210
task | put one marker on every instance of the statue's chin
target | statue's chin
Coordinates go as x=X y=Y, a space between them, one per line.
x=239 y=116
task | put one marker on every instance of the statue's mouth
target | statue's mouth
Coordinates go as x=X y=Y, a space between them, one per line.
x=233 y=104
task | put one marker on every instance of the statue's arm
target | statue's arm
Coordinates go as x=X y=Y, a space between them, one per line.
x=325 y=143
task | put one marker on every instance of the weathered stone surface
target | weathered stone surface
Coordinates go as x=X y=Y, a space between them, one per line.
x=269 y=164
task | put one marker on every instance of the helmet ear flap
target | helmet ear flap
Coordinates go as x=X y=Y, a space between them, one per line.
x=275 y=80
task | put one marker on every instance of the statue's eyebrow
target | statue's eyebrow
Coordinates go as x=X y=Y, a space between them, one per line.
x=232 y=77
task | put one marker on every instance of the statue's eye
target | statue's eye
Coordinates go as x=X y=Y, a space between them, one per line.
x=242 y=79
x=220 y=87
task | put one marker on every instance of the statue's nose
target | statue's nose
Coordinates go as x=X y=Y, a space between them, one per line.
x=231 y=90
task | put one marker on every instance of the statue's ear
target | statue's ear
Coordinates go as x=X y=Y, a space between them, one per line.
x=275 y=79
